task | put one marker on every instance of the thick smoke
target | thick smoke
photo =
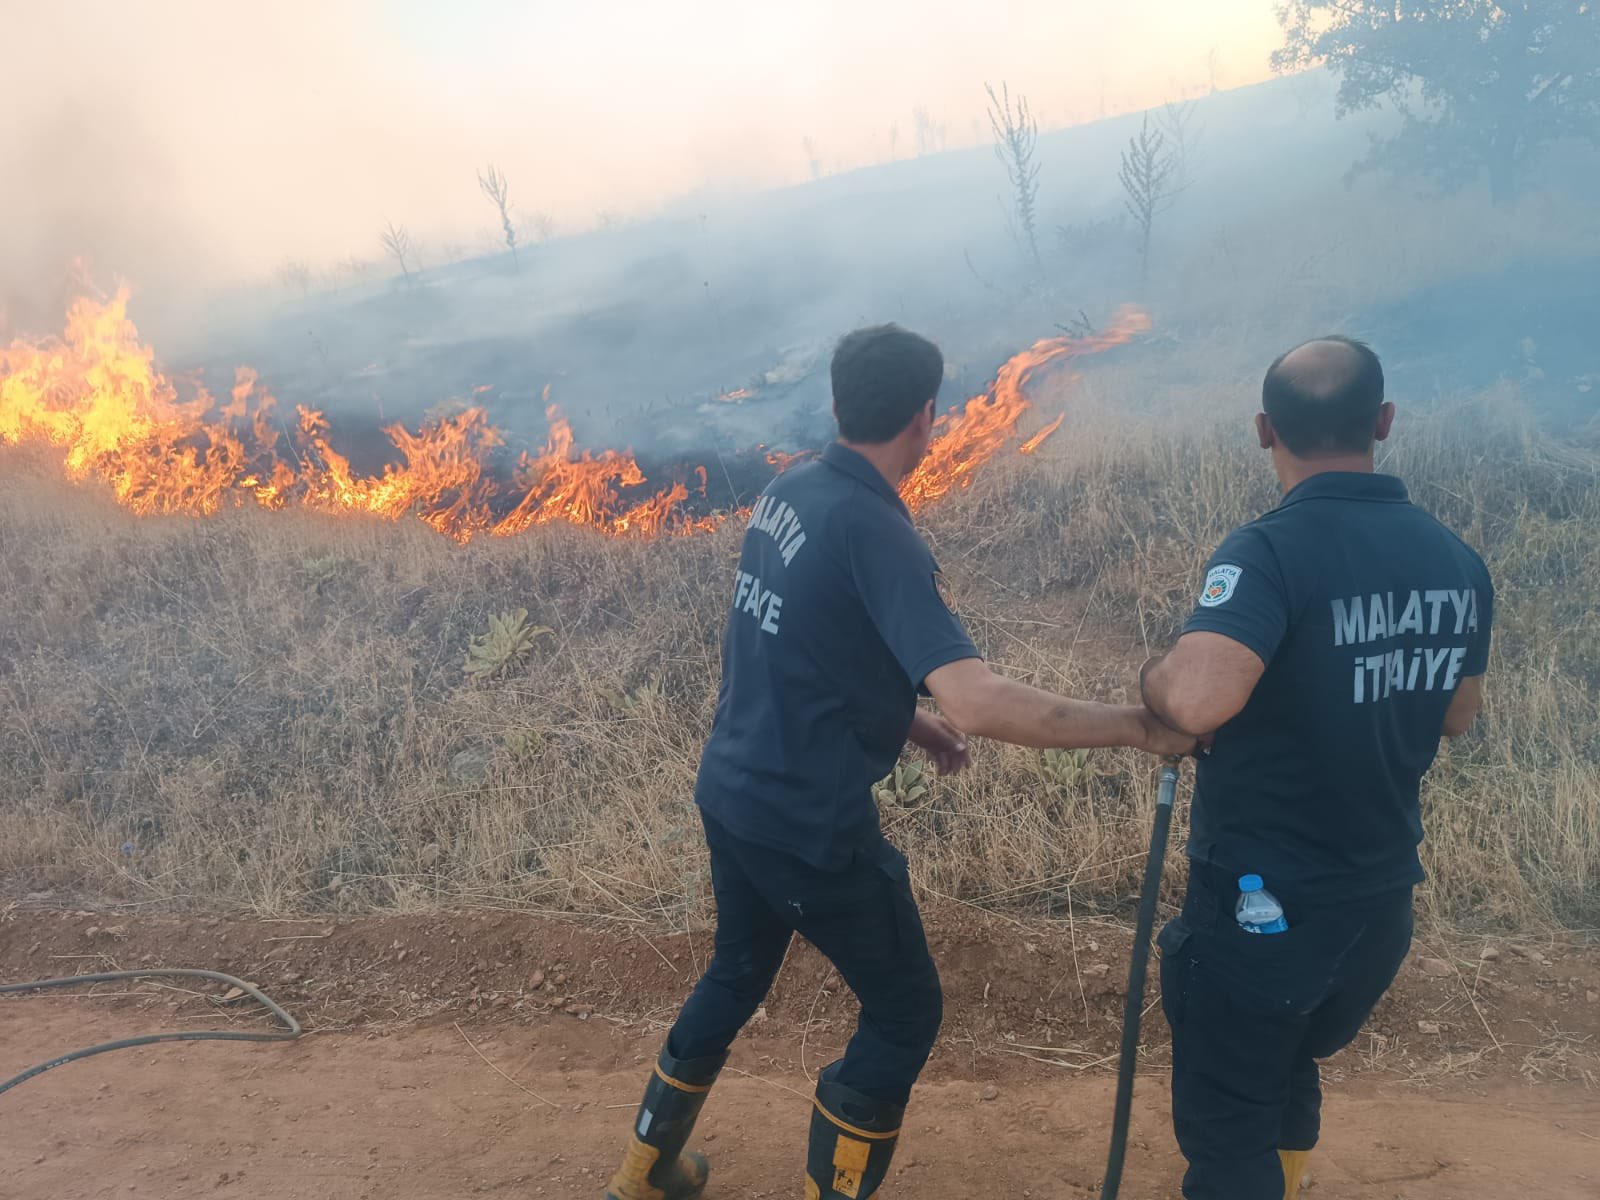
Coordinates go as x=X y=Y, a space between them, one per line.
x=193 y=153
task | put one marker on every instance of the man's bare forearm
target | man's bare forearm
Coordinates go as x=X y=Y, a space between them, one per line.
x=1013 y=712
x=985 y=704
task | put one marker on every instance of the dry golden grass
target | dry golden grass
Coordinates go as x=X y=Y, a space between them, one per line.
x=270 y=711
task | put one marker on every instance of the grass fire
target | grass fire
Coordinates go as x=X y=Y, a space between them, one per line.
x=454 y=602
x=98 y=395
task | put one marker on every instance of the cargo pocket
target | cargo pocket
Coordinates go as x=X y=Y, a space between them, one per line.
x=1282 y=973
x=1176 y=969
x=911 y=942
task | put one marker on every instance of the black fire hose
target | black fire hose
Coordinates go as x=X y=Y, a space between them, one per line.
x=1133 y=1012
x=290 y=1030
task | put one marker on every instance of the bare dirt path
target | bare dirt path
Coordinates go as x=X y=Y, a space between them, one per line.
x=387 y=1098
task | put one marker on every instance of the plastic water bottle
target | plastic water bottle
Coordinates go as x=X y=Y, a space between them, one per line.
x=1258 y=910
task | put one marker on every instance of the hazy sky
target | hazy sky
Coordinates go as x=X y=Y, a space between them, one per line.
x=201 y=141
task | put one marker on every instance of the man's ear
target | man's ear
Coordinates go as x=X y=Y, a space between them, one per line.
x=1265 y=433
x=1385 y=421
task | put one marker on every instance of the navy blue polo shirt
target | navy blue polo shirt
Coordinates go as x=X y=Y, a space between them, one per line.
x=836 y=620
x=1368 y=614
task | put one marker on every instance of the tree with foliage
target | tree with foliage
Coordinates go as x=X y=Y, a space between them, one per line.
x=1481 y=86
x=1016 y=137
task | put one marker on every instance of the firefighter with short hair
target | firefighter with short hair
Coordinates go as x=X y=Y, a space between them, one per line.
x=837 y=621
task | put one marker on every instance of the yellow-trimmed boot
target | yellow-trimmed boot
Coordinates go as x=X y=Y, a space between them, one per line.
x=1294 y=1169
x=852 y=1142
x=656 y=1166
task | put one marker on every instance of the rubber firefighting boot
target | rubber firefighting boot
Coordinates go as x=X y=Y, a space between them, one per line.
x=852 y=1140
x=656 y=1167
x=1294 y=1167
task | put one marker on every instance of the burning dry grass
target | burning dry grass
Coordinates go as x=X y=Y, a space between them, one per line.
x=96 y=396
x=270 y=711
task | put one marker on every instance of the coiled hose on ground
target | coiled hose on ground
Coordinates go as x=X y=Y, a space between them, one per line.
x=290 y=1031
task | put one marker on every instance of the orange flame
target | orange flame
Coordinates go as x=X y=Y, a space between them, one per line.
x=966 y=439
x=1037 y=440
x=781 y=462
x=582 y=489
x=97 y=395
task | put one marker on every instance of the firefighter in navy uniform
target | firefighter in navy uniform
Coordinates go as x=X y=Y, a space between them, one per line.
x=1335 y=640
x=837 y=622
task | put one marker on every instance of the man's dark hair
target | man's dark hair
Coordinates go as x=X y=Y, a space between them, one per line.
x=882 y=377
x=1323 y=400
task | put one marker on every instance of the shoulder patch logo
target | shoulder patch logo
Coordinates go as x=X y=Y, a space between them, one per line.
x=1220 y=582
x=943 y=588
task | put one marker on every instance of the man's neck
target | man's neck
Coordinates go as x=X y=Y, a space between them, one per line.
x=887 y=457
x=1292 y=472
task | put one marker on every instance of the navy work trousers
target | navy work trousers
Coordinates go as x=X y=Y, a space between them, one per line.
x=1252 y=1013
x=862 y=918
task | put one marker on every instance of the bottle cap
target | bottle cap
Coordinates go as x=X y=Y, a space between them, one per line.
x=1250 y=883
